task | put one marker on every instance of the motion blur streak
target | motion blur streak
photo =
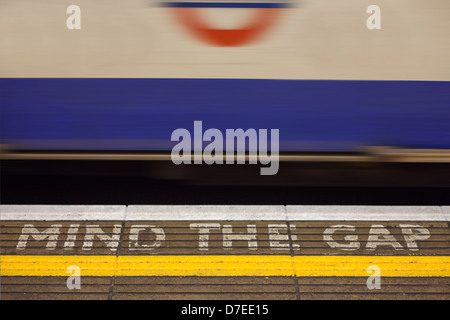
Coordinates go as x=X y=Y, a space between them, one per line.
x=133 y=73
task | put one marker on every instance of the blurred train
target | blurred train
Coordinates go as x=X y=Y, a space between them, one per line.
x=137 y=70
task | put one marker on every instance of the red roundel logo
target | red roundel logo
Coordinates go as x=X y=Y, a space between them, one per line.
x=265 y=15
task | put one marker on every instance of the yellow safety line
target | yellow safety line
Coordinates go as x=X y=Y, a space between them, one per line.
x=227 y=265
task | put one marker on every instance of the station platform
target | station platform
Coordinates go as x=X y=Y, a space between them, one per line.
x=224 y=252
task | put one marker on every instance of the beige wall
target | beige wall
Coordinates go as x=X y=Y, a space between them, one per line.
x=321 y=39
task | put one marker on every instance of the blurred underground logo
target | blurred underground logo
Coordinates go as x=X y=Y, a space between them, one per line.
x=192 y=16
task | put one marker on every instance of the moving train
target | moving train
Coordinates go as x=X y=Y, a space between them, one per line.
x=134 y=71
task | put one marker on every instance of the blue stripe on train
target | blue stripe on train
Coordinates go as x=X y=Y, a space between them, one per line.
x=140 y=114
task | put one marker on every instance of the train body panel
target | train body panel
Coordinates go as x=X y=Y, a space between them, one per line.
x=135 y=72
x=140 y=114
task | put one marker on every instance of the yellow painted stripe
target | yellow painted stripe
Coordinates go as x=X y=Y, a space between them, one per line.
x=227 y=265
